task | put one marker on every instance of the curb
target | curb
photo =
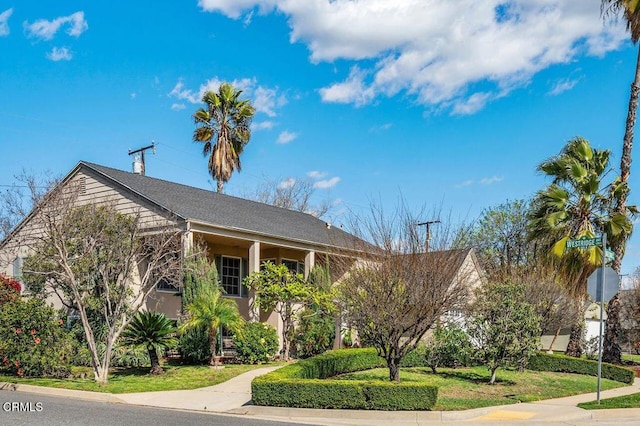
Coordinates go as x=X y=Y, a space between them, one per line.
x=68 y=393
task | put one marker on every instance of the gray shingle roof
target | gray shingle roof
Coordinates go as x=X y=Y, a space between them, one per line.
x=227 y=211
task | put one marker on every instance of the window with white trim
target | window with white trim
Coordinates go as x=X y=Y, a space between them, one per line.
x=294 y=266
x=17 y=271
x=231 y=275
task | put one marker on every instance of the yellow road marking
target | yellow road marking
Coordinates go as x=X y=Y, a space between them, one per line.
x=506 y=415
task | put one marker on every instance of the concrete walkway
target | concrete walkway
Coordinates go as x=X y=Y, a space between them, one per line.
x=234 y=397
x=232 y=394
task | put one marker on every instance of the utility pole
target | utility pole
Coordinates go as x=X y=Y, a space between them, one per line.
x=428 y=236
x=140 y=152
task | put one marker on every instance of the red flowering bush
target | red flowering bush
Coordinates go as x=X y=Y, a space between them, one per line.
x=9 y=289
x=33 y=342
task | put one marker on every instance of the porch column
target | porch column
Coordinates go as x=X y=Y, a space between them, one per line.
x=309 y=262
x=254 y=266
x=187 y=241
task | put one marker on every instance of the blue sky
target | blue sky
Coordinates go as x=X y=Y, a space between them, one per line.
x=451 y=104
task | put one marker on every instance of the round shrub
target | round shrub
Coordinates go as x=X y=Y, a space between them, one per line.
x=257 y=343
x=34 y=340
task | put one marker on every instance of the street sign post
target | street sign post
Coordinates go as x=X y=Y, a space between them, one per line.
x=597 y=286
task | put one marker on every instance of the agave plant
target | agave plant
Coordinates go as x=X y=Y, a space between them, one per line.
x=154 y=331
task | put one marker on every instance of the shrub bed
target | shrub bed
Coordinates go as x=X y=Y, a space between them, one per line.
x=566 y=364
x=302 y=385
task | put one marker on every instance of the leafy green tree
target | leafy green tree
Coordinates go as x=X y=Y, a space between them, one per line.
x=577 y=204
x=449 y=347
x=504 y=327
x=288 y=294
x=223 y=126
x=199 y=274
x=315 y=331
x=155 y=332
x=211 y=311
x=500 y=238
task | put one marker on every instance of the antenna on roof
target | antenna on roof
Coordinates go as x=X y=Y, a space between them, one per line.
x=138 y=158
x=428 y=236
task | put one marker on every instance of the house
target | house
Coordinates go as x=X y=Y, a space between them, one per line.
x=239 y=234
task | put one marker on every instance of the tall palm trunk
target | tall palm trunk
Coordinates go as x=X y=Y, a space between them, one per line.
x=220 y=186
x=611 y=346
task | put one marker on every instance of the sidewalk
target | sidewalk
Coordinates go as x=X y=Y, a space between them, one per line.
x=234 y=397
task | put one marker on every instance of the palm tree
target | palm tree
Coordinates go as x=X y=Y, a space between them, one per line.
x=224 y=129
x=152 y=330
x=211 y=311
x=630 y=10
x=576 y=205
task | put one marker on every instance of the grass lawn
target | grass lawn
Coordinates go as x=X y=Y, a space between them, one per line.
x=629 y=401
x=465 y=388
x=631 y=357
x=126 y=380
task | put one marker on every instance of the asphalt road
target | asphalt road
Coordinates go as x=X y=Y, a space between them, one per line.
x=20 y=408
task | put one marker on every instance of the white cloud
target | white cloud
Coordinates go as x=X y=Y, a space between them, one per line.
x=491 y=180
x=563 y=85
x=329 y=183
x=264 y=99
x=352 y=90
x=267 y=100
x=4 y=22
x=60 y=54
x=177 y=106
x=287 y=183
x=314 y=174
x=286 y=137
x=235 y=8
x=440 y=52
x=262 y=125
x=484 y=181
x=133 y=95
x=45 y=30
x=464 y=184
x=470 y=105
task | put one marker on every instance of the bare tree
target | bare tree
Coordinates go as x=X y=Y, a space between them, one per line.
x=396 y=293
x=20 y=198
x=99 y=261
x=545 y=289
x=291 y=193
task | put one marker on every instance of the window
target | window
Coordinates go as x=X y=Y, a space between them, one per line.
x=17 y=271
x=166 y=285
x=231 y=275
x=294 y=266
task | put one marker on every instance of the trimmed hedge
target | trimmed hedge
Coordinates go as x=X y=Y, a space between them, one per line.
x=302 y=385
x=566 y=364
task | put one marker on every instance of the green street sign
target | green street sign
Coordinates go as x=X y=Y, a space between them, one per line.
x=584 y=242
x=609 y=255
